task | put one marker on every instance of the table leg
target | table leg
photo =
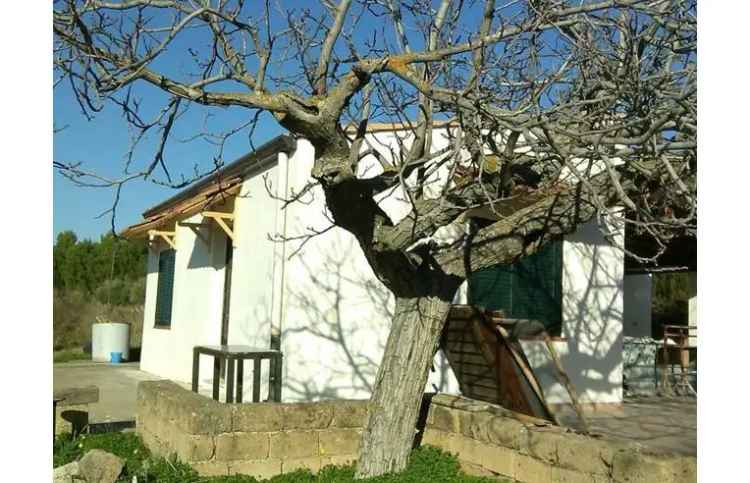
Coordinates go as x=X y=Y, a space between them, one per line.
x=240 y=378
x=278 y=378
x=256 y=379
x=217 y=375
x=230 y=379
x=196 y=368
x=271 y=379
x=656 y=371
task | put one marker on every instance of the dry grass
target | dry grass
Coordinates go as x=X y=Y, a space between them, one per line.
x=69 y=355
x=73 y=313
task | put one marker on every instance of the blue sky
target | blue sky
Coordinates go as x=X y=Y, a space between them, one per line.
x=100 y=144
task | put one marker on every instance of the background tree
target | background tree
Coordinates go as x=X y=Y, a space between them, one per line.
x=61 y=254
x=562 y=111
x=111 y=269
x=96 y=278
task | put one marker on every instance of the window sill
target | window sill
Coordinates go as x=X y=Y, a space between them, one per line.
x=163 y=327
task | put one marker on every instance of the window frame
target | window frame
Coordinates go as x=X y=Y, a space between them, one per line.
x=514 y=279
x=160 y=323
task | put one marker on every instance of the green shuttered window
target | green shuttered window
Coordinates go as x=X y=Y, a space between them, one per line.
x=530 y=288
x=164 y=289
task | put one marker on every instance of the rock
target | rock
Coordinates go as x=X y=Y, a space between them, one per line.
x=98 y=466
x=65 y=473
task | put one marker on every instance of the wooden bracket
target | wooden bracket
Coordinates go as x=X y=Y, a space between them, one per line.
x=221 y=219
x=196 y=229
x=167 y=236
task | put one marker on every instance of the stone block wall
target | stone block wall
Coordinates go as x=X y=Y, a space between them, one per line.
x=259 y=439
x=266 y=439
x=489 y=440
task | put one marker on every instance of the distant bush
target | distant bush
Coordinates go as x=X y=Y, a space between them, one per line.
x=669 y=306
x=137 y=293
x=73 y=312
x=121 y=292
x=86 y=265
x=96 y=278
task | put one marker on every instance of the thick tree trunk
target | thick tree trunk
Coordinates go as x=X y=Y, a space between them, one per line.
x=391 y=425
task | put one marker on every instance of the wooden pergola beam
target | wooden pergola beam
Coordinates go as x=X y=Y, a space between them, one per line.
x=167 y=236
x=221 y=219
x=218 y=214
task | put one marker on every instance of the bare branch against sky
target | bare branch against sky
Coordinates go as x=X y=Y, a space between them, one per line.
x=560 y=112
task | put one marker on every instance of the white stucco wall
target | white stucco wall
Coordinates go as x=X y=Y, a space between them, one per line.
x=336 y=314
x=199 y=290
x=196 y=305
x=252 y=293
x=637 y=305
x=591 y=352
x=333 y=315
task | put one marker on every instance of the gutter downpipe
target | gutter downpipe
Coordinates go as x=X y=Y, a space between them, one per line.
x=280 y=285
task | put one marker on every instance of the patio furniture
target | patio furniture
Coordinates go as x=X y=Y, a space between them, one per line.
x=677 y=354
x=230 y=354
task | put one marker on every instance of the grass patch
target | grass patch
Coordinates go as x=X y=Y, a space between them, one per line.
x=427 y=464
x=70 y=355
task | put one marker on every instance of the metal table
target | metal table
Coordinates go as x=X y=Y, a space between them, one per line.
x=240 y=353
x=677 y=355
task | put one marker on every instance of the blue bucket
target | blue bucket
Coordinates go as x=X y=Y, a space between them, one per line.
x=115 y=357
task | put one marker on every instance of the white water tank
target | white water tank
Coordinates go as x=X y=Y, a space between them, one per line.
x=107 y=338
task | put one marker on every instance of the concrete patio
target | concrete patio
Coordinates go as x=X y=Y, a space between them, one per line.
x=660 y=424
x=117 y=385
x=665 y=425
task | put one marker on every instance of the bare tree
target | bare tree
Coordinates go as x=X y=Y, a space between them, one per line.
x=559 y=112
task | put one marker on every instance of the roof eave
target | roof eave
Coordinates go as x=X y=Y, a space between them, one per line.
x=243 y=166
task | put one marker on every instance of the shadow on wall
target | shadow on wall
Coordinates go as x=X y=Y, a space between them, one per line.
x=346 y=318
x=201 y=253
x=591 y=352
x=336 y=340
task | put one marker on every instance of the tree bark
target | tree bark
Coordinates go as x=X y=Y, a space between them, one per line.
x=399 y=387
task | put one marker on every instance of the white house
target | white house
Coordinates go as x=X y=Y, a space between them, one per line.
x=219 y=272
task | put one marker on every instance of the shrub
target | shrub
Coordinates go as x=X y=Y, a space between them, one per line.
x=670 y=301
x=73 y=313
x=137 y=292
